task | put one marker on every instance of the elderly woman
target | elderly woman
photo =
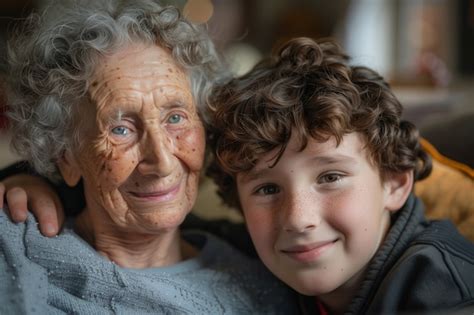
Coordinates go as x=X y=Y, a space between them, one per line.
x=106 y=92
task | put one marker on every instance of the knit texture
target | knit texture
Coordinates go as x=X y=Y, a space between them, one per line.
x=40 y=275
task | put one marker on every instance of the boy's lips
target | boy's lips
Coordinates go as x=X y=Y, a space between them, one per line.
x=308 y=252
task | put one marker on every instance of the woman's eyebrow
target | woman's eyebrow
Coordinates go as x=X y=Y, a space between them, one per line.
x=116 y=115
x=174 y=104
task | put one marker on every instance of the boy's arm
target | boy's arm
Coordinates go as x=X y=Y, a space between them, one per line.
x=22 y=188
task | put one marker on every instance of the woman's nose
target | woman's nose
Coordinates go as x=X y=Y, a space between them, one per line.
x=157 y=156
x=300 y=214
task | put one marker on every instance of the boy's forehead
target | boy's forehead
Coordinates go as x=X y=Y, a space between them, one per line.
x=349 y=150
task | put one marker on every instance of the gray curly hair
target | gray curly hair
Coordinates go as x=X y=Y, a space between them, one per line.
x=52 y=58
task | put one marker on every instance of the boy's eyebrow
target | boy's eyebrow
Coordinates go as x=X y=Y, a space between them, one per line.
x=253 y=174
x=256 y=173
x=333 y=159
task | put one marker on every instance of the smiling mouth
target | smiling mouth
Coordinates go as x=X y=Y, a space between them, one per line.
x=308 y=253
x=157 y=196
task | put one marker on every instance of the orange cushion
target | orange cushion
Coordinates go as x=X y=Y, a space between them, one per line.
x=449 y=191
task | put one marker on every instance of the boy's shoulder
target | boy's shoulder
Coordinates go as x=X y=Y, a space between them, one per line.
x=440 y=250
x=444 y=237
x=423 y=266
x=436 y=270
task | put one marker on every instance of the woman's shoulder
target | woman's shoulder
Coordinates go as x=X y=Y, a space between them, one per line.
x=223 y=268
x=234 y=233
x=11 y=233
x=25 y=240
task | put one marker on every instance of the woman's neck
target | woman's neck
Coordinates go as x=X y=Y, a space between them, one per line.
x=130 y=249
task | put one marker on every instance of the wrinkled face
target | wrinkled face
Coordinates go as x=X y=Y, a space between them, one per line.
x=318 y=216
x=142 y=145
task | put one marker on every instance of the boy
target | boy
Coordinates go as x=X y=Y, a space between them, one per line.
x=314 y=153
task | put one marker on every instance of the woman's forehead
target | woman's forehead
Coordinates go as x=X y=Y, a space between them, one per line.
x=136 y=74
x=139 y=61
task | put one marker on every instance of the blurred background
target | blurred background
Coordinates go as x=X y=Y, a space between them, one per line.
x=424 y=48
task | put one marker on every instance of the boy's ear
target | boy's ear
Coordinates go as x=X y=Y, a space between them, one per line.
x=398 y=187
x=69 y=169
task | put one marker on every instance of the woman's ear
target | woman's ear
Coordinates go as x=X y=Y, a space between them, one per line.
x=69 y=169
x=398 y=187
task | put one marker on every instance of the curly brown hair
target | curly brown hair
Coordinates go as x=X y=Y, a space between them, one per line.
x=307 y=87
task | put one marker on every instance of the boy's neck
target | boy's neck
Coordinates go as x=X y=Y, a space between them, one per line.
x=337 y=301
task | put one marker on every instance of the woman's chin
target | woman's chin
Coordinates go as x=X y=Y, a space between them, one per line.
x=163 y=219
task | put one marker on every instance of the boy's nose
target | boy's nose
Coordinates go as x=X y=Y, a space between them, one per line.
x=300 y=214
x=157 y=156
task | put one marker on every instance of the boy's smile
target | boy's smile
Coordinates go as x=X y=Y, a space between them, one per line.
x=308 y=252
x=318 y=216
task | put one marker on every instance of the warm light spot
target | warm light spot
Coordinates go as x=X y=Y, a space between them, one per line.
x=198 y=11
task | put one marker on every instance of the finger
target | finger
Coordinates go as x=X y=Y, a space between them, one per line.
x=2 y=193
x=46 y=213
x=2 y=200
x=59 y=212
x=17 y=204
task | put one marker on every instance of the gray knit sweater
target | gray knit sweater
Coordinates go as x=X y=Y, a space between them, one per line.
x=40 y=275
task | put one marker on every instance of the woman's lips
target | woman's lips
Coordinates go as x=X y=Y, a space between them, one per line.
x=159 y=195
x=309 y=252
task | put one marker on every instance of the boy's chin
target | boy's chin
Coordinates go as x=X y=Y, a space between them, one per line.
x=311 y=286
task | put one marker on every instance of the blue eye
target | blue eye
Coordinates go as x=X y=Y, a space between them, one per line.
x=175 y=119
x=268 y=190
x=120 y=130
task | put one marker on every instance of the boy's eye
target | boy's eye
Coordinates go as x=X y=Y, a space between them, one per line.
x=120 y=130
x=268 y=190
x=330 y=178
x=175 y=119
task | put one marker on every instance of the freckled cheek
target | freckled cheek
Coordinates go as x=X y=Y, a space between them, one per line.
x=261 y=227
x=191 y=145
x=116 y=171
x=340 y=210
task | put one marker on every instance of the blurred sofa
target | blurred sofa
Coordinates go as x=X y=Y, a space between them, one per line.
x=449 y=191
